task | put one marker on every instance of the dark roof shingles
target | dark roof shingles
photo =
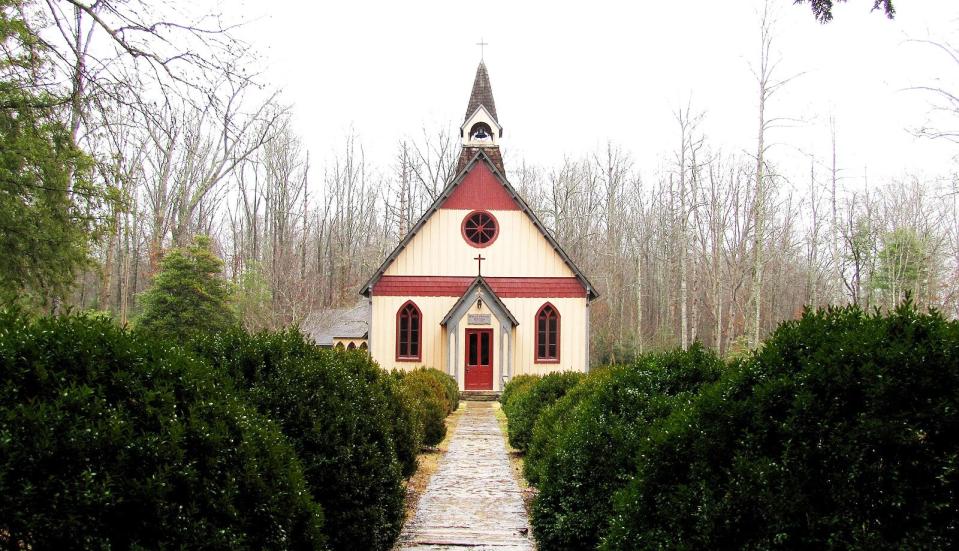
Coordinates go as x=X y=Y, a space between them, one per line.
x=482 y=94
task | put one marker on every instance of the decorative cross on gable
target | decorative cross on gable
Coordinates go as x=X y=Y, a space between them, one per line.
x=479 y=264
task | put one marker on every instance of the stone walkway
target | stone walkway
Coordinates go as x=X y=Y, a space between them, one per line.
x=472 y=500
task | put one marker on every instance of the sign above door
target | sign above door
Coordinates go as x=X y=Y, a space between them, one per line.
x=478 y=319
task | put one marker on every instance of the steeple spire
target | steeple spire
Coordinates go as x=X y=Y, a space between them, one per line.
x=481 y=130
x=482 y=93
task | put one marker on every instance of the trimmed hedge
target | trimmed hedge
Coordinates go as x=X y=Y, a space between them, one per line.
x=514 y=386
x=594 y=453
x=449 y=384
x=112 y=440
x=842 y=432
x=340 y=411
x=334 y=409
x=552 y=420
x=423 y=388
x=526 y=405
x=407 y=435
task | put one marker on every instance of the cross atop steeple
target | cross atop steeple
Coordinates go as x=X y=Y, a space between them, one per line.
x=482 y=45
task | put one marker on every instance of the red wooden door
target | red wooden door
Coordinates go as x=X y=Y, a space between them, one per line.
x=479 y=359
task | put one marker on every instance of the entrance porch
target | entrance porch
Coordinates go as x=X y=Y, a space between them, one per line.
x=479 y=339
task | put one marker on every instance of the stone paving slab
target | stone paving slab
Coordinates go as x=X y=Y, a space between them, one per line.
x=472 y=500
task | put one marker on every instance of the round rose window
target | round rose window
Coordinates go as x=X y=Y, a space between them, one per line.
x=480 y=229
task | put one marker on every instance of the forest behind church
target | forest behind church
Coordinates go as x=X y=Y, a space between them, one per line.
x=181 y=136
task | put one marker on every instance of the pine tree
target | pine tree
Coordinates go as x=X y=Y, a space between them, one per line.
x=188 y=295
x=48 y=205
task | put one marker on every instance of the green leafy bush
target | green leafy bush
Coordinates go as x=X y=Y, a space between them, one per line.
x=452 y=389
x=842 y=432
x=552 y=420
x=428 y=394
x=339 y=411
x=594 y=453
x=516 y=385
x=111 y=440
x=251 y=358
x=527 y=406
x=406 y=433
x=337 y=415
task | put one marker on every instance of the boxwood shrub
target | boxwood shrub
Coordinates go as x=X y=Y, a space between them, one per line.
x=842 y=432
x=251 y=358
x=428 y=394
x=113 y=440
x=337 y=414
x=406 y=433
x=594 y=453
x=552 y=420
x=526 y=406
x=341 y=413
x=515 y=386
x=452 y=389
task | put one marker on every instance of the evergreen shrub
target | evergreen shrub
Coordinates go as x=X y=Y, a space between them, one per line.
x=552 y=420
x=340 y=411
x=842 y=432
x=594 y=454
x=252 y=358
x=516 y=385
x=527 y=406
x=110 y=439
x=429 y=395
x=335 y=409
x=407 y=434
x=452 y=389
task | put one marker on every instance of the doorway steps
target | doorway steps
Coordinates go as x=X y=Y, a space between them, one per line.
x=479 y=395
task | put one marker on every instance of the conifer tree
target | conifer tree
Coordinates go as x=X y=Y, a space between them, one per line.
x=188 y=295
x=48 y=205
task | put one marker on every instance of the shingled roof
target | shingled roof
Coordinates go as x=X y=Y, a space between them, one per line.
x=482 y=94
x=346 y=323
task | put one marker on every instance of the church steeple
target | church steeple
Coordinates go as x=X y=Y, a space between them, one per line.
x=481 y=130
x=482 y=93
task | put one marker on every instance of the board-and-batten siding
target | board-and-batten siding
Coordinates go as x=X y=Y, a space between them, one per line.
x=572 y=334
x=383 y=343
x=440 y=250
x=521 y=263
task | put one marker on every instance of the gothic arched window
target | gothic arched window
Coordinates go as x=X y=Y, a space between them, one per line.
x=547 y=334
x=352 y=346
x=409 y=336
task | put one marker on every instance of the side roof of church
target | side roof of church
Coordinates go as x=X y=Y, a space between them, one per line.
x=480 y=97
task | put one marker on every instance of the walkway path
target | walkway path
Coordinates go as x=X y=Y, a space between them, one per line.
x=472 y=500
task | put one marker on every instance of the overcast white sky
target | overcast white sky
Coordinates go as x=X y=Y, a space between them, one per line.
x=567 y=76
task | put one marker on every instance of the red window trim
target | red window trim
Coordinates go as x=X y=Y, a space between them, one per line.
x=559 y=340
x=495 y=226
x=419 y=333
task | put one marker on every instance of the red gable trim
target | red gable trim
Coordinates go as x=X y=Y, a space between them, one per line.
x=480 y=189
x=504 y=287
x=451 y=187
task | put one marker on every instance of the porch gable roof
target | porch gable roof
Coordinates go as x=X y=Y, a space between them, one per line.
x=480 y=289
